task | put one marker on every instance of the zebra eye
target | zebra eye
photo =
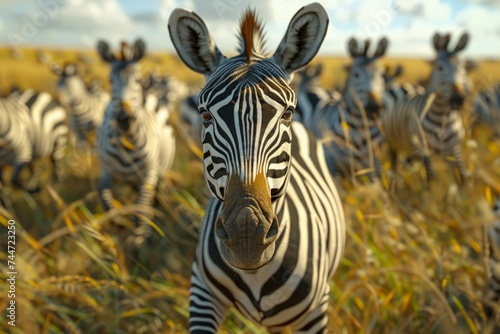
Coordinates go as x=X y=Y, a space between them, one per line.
x=287 y=115
x=206 y=117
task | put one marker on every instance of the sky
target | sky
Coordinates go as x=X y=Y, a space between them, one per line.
x=409 y=24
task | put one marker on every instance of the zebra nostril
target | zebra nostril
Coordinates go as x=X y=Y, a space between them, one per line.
x=220 y=230
x=272 y=233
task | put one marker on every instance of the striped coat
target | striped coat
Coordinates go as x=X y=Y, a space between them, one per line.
x=438 y=127
x=273 y=232
x=486 y=108
x=32 y=126
x=135 y=140
x=86 y=107
x=350 y=128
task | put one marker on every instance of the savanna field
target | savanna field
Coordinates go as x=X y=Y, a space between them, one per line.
x=414 y=260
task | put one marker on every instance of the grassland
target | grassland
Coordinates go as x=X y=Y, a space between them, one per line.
x=414 y=261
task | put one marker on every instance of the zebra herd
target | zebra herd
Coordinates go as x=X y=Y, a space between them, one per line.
x=273 y=233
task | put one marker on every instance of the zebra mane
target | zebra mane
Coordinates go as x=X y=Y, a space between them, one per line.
x=251 y=35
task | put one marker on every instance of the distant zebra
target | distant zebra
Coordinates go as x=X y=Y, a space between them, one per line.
x=32 y=126
x=86 y=107
x=135 y=141
x=438 y=129
x=310 y=96
x=273 y=232
x=350 y=128
x=486 y=108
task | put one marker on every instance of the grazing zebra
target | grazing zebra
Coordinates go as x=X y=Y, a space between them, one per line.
x=32 y=126
x=350 y=128
x=492 y=253
x=438 y=127
x=486 y=108
x=85 y=106
x=273 y=232
x=135 y=141
x=310 y=96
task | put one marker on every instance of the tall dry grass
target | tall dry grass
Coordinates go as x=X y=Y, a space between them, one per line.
x=414 y=261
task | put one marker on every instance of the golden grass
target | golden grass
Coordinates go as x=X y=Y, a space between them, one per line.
x=413 y=263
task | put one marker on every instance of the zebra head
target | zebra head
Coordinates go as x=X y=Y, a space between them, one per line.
x=125 y=74
x=70 y=86
x=449 y=73
x=246 y=107
x=365 y=80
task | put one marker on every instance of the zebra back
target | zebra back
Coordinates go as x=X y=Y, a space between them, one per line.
x=402 y=125
x=15 y=124
x=49 y=126
x=86 y=105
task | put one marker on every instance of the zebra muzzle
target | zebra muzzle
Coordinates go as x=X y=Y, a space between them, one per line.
x=457 y=97
x=247 y=227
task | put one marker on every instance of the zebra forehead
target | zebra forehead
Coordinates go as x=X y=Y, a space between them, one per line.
x=367 y=62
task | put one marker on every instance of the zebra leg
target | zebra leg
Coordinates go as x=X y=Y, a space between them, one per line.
x=145 y=198
x=105 y=193
x=205 y=312
x=458 y=163
x=428 y=168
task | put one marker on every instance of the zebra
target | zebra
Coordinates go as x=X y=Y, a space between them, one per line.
x=486 y=108
x=350 y=128
x=135 y=141
x=438 y=127
x=273 y=232
x=310 y=96
x=32 y=126
x=86 y=107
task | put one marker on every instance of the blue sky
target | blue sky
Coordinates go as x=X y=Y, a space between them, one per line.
x=409 y=24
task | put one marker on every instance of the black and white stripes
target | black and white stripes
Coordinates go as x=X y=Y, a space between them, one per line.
x=86 y=106
x=273 y=232
x=135 y=142
x=438 y=128
x=32 y=125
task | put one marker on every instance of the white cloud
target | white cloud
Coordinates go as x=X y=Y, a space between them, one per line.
x=425 y=9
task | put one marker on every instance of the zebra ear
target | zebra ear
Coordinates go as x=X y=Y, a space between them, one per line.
x=352 y=46
x=139 y=50
x=193 y=42
x=303 y=38
x=381 y=48
x=104 y=52
x=56 y=69
x=436 y=41
x=399 y=71
x=462 y=43
x=367 y=46
x=470 y=65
